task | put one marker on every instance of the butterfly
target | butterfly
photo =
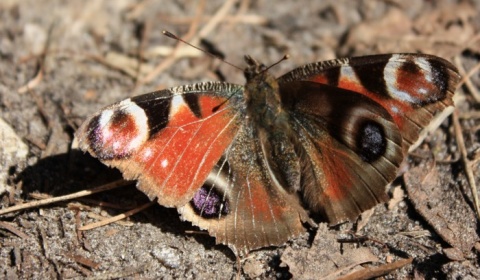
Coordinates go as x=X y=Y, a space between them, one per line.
x=251 y=163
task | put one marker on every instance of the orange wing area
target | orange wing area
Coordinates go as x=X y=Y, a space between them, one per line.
x=413 y=88
x=175 y=163
x=260 y=213
x=396 y=108
x=338 y=181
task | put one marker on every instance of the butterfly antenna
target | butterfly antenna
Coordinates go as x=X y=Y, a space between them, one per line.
x=175 y=37
x=285 y=57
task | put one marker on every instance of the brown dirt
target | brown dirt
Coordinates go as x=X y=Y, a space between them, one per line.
x=87 y=53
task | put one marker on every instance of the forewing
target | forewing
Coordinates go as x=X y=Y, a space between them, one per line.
x=172 y=142
x=413 y=88
x=167 y=140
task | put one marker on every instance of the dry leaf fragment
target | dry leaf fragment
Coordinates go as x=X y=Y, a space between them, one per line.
x=455 y=223
x=325 y=258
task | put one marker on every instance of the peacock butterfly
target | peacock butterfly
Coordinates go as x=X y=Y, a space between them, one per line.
x=250 y=163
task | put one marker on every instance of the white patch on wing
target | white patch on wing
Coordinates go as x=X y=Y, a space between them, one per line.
x=394 y=109
x=390 y=74
x=423 y=64
x=103 y=123
x=177 y=104
x=147 y=154
x=427 y=69
x=422 y=91
x=123 y=139
x=141 y=123
x=347 y=72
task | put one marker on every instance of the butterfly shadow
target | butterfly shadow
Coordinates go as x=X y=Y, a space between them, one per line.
x=75 y=171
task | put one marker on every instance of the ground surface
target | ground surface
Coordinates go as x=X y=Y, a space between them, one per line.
x=78 y=56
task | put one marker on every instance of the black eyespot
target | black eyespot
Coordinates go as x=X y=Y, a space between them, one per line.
x=371 y=141
x=208 y=203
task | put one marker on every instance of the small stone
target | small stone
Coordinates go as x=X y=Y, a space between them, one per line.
x=253 y=268
x=169 y=257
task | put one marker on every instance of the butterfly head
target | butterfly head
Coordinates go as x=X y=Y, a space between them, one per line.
x=258 y=77
x=254 y=68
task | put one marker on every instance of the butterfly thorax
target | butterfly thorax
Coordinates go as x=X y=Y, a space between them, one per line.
x=271 y=125
x=262 y=96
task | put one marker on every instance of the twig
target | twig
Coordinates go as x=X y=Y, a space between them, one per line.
x=372 y=272
x=469 y=115
x=83 y=261
x=466 y=161
x=32 y=204
x=470 y=73
x=216 y=19
x=33 y=82
x=466 y=78
x=209 y=27
x=171 y=59
x=434 y=125
x=251 y=19
x=13 y=230
x=100 y=217
x=118 y=217
x=41 y=65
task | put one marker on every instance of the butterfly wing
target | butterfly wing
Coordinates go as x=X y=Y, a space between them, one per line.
x=191 y=148
x=197 y=149
x=240 y=204
x=411 y=87
x=167 y=140
x=356 y=119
